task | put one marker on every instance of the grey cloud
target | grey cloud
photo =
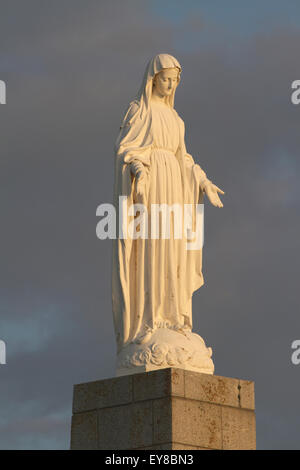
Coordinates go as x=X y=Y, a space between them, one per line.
x=70 y=73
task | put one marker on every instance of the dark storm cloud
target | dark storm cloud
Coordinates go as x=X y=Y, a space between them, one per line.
x=71 y=70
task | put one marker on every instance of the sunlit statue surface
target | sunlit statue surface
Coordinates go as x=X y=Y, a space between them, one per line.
x=153 y=278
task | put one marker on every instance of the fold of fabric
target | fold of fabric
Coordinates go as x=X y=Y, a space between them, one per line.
x=153 y=280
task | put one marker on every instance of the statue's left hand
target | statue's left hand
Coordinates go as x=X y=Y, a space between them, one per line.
x=211 y=190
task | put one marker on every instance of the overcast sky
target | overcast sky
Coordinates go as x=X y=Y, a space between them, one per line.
x=71 y=67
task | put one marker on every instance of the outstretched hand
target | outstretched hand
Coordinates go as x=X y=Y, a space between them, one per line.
x=211 y=190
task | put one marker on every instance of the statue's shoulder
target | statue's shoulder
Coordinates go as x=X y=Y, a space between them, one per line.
x=131 y=110
x=133 y=107
x=181 y=121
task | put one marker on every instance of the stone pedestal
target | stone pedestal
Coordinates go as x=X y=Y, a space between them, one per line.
x=164 y=409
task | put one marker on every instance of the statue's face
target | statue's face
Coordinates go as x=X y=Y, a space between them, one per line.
x=165 y=81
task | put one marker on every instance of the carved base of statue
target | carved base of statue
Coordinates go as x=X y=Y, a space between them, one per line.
x=165 y=347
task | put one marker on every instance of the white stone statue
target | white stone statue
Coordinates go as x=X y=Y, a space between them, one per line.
x=153 y=280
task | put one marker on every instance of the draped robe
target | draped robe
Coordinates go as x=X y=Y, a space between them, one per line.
x=153 y=280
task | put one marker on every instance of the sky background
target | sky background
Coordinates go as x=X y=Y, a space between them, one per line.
x=71 y=67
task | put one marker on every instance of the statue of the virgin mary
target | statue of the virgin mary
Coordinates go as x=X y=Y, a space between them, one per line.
x=153 y=279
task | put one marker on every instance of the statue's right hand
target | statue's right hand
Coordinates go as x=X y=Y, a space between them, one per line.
x=140 y=183
x=140 y=173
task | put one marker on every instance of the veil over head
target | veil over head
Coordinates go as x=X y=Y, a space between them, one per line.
x=154 y=66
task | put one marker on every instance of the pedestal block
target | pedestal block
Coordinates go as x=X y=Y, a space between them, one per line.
x=162 y=410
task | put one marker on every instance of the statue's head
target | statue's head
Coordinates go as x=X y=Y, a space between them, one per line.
x=162 y=73
x=166 y=81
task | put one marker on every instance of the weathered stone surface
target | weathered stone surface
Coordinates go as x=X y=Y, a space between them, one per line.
x=196 y=423
x=164 y=409
x=162 y=420
x=125 y=427
x=165 y=446
x=102 y=394
x=178 y=446
x=212 y=389
x=172 y=446
x=247 y=394
x=158 y=384
x=238 y=428
x=84 y=433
